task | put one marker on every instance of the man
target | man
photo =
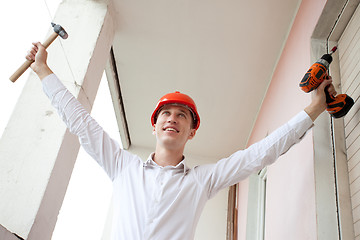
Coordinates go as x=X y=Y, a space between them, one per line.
x=162 y=198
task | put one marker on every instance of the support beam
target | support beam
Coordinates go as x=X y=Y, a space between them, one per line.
x=37 y=153
x=116 y=96
x=5 y=234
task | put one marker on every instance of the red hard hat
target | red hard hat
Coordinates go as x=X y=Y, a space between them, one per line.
x=177 y=98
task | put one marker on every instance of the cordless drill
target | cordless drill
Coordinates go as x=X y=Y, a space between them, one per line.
x=337 y=106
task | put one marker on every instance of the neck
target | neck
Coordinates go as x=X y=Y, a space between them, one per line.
x=166 y=157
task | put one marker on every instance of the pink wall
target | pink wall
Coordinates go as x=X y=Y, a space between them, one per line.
x=291 y=211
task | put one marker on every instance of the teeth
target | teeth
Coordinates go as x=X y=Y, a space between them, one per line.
x=171 y=129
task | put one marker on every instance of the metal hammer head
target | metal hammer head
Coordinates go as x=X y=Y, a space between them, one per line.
x=59 y=30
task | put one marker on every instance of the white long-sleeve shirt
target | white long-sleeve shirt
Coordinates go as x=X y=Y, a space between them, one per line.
x=164 y=203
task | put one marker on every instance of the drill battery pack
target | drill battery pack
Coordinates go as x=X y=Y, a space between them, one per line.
x=339 y=106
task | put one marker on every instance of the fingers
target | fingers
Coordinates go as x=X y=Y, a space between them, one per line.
x=331 y=90
x=328 y=86
x=33 y=51
x=35 y=45
x=325 y=83
x=30 y=57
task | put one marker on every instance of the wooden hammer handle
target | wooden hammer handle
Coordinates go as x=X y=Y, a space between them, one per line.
x=27 y=63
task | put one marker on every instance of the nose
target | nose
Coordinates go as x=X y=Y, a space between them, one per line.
x=171 y=118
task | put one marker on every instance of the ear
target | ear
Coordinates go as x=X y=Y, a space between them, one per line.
x=153 y=131
x=192 y=133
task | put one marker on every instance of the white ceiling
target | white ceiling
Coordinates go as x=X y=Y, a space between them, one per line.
x=221 y=53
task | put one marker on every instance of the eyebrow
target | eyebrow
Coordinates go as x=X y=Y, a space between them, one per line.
x=181 y=109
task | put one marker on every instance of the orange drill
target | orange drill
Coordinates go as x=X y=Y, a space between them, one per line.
x=337 y=106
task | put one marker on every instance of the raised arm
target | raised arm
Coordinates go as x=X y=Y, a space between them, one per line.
x=93 y=138
x=243 y=163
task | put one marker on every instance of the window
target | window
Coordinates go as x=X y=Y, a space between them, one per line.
x=87 y=201
x=261 y=204
x=255 y=229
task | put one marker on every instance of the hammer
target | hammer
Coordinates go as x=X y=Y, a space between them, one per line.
x=58 y=31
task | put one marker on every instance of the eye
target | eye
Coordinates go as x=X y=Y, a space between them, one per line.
x=165 y=112
x=182 y=115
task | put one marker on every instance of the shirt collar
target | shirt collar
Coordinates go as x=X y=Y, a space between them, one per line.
x=151 y=162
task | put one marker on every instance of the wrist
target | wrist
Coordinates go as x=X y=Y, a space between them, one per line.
x=313 y=111
x=42 y=71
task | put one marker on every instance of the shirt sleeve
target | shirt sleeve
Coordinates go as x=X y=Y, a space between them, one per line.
x=96 y=142
x=243 y=163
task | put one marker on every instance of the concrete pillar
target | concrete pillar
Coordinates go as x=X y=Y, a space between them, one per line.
x=37 y=153
x=5 y=234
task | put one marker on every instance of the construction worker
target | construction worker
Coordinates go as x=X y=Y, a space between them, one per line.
x=161 y=198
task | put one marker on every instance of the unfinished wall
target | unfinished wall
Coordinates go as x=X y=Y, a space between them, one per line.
x=290 y=203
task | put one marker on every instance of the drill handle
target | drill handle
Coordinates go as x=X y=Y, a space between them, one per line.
x=329 y=97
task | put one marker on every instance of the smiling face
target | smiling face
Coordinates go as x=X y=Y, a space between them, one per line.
x=173 y=127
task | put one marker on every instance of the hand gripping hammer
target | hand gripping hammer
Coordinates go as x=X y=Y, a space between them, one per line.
x=58 y=31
